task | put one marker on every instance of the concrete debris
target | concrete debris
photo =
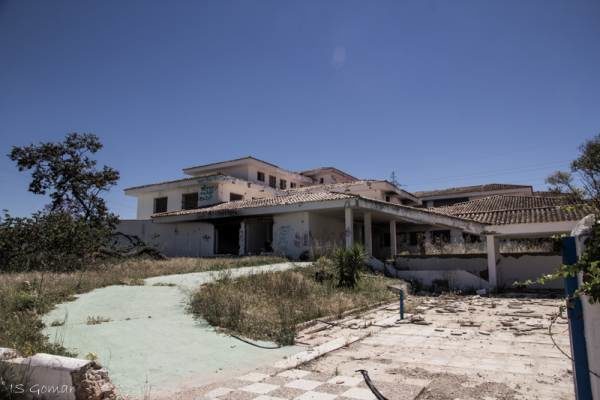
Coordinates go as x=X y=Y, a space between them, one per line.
x=92 y=383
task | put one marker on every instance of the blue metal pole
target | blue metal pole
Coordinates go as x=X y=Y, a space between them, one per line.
x=581 y=371
x=401 y=304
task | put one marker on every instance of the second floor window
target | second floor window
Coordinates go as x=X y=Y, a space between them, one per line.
x=160 y=205
x=273 y=181
x=292 y=184
x=282 y=184
x=260 y=176
x=189 y=201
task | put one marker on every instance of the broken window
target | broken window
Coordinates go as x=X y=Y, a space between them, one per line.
x=440 y=237
x=160 y=204
x=470 y=238
x=292 y=185
x=189 y=201
x=260 y=176
x=388 y=198
x=282 y=184
x=322 y=180
x=273 y=181
x=416 y=237
x=235 y=196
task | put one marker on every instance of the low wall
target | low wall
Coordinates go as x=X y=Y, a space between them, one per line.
x=50 y=377
x=511 y=268
x=184 y=239
x=457 y=279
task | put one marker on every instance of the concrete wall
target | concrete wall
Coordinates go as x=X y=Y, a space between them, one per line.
x=208 y=194
x=326 y=233
x=457 y=279
x=291 y=234
x=511 y=267
x=185 y=239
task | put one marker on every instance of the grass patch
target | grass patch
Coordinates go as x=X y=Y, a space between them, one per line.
x=268 y=306
x=26 y=297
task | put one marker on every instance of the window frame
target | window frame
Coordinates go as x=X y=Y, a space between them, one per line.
x=183 y=200
x=273 y=181
x=282 y=184
x=259 y=175
x=155 y=204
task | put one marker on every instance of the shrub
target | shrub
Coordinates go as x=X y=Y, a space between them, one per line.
x=348 y=263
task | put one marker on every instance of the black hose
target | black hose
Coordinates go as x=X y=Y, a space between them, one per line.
x=376 y=392
x=255 y=344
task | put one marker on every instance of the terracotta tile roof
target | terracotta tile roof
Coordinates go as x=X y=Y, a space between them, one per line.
x=344 y=187
x=502 y=210
x=231 y=207
x=469 y=189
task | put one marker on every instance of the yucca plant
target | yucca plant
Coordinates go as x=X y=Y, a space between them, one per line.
x=348 y=263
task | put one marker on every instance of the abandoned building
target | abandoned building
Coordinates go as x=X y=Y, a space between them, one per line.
x=477 y=236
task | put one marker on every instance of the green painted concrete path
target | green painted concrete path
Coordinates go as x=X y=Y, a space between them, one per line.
x=151 y=341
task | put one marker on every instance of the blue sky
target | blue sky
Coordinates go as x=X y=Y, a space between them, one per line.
x=444 y=93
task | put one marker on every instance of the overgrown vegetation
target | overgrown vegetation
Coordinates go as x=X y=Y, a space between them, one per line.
x=582 y=185
x=75 y=228
x=268 y=306
x=26 y=297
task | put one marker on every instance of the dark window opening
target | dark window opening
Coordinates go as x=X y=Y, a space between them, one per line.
x=227 y=238
x=415 y=238
x=160 y=205
x=470 y=238
x=260 y=176
x=321 y=180
x=282 y=184
x=235 y=196
x=387 y=239
x=388 y=198
x=440 y=237
x=449 y=202
x=189 y=201
x=273 y=181
x=292 y=185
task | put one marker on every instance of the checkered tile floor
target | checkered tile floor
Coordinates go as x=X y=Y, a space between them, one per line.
x=292 y=384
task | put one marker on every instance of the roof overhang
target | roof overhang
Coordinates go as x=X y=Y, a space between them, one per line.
x=391 y=211
x=531 y=230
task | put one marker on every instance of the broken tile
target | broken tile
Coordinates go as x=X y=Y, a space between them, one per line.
x=345 y=380
x=359 y=394
x=259 y=388
x=304 y=384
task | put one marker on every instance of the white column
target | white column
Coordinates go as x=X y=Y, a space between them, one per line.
x=393 y=246
x=493 y=255
x=368 y=234
x=349 y=227
x=242 y=238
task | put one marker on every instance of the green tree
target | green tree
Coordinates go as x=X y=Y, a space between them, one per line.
x=582 y=182
x=66 y=172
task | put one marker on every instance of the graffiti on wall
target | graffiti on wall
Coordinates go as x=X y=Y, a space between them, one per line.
x=206 y=193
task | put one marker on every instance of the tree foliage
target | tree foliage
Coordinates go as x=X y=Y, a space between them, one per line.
x=582 y=185
x=66 y=172
x=582 y=182
x=76 y=227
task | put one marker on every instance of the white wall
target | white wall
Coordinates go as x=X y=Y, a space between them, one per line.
x=186 y=239
x=326 y=233
x=208 y=194
x=291 y=236
x=511 y=268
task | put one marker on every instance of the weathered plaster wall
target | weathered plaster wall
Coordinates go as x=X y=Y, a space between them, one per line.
x=521 y=268
x=207 y=194
x=511 y=267
x=186 y=239
x=291 y=235
x=326 y=233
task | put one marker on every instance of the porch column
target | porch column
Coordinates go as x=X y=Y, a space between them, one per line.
x=368 y=234
x=242 y=238
x=393 y=246
x=493 y=255
x=349 y=227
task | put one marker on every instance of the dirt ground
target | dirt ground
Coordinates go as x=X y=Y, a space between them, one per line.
x=451 y=347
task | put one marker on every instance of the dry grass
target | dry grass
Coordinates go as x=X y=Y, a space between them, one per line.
x=269 y=305
x=25 y=297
